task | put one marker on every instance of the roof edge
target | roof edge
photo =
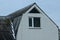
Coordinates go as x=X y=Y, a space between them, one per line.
x=47 y=16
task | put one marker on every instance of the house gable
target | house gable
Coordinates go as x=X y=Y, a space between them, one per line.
x=27 y=10
x=39 y=11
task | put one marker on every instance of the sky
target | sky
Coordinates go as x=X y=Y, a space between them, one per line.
x=50 y=7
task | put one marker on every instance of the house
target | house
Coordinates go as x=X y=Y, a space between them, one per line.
x=32 y=23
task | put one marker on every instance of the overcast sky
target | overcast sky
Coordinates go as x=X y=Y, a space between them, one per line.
x=50 y=7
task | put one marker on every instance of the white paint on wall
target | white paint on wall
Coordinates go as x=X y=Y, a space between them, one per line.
x=47 y=31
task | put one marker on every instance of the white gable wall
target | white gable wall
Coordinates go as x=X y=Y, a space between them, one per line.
x=47 y=31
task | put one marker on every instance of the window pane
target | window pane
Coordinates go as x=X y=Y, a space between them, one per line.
x=30 y=22
x=36 y=22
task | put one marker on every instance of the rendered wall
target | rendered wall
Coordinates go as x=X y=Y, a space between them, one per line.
x=47 y=31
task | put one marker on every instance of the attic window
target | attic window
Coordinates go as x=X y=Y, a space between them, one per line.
x=34 y=10
x=34 y=22
x=30 y=21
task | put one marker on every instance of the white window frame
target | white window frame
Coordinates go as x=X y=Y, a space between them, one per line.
x=33 y=24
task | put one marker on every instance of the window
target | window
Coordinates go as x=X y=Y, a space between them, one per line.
x=34 y=10
x=30 y=22
x=34 y=22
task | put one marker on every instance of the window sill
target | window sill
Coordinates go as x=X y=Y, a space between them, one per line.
x=35 y=28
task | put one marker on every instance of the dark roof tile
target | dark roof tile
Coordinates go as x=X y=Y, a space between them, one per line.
x=20 y=12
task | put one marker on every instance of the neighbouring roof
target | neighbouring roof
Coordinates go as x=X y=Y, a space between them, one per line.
x=5 y=29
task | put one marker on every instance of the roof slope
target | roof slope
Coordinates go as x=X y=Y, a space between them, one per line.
x=20 y=12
